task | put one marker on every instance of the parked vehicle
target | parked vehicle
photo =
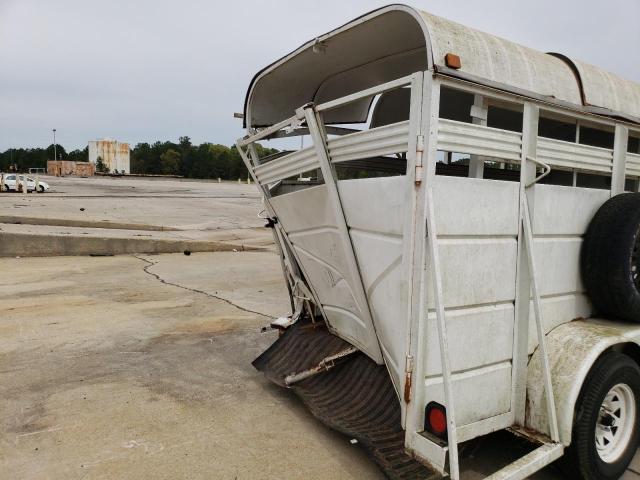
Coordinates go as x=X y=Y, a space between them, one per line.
x=10 y=183
x=467 y=260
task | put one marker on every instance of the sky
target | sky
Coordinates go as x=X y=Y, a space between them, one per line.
x=147 y=70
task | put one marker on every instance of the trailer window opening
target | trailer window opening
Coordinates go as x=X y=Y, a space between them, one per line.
x=390 y=107
x=277 y=148
x=631 y=184
x=455 y=104
x=371 y=168
x=565 y=130
x=296 y=183
x=558 y=177
x=591 y=180
x=480 y=111
x=504 y=118
x=596 y=137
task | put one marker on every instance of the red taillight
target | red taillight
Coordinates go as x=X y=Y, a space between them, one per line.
x=436 y=419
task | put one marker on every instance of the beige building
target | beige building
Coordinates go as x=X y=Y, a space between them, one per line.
x=114 y=154
x=62 y=168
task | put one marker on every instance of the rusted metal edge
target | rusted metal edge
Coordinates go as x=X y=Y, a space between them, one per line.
x=325 y=365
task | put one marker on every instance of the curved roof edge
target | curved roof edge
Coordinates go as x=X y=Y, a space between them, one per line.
x=604 y=92
x=324 y=37
x=389 y=39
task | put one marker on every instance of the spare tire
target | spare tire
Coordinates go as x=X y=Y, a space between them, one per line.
x=610 y=258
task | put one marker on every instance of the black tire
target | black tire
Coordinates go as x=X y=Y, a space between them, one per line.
x=582 y=460
x=41 y=189
x=610 y=258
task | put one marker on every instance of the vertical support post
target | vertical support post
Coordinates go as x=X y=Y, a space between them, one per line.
x=441 y=322
x=411 y=256
x=574 y=181
x=426 y=246
x=523 y=276
x=319 y=138
x=431 y=128
x=253 y=151
x=542 y=343
x=620 y=145
x=479 y=115
x=422 y=104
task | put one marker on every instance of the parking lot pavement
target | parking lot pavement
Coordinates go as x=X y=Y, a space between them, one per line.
x=110 y=370
x=129 y=214
x=176 y=203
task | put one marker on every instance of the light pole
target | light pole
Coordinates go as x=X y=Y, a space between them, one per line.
x=55 y=156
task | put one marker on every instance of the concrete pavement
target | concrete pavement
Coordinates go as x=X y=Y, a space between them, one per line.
x=139 y=367
x=105 y=215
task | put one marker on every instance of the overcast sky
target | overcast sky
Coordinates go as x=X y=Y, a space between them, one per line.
x=141 y=71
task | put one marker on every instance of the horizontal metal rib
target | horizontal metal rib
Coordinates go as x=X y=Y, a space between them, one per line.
x=376 y=142
x=574 y=155
x=287 y=166
x=633 y=164
x=474 y=139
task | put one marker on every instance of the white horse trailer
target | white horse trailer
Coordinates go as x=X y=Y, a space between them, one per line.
x=464 y=227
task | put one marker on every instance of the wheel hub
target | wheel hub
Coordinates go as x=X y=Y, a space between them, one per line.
x=614 y=427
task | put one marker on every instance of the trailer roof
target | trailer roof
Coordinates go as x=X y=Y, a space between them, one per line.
x=397 y=40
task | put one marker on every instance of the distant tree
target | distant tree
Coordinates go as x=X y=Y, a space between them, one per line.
x=140 y=158
x=79 y=155
x=170 y=162
x=24 y=158
x=101 y=167
x=59 y=150
x=185 y=142
x=207 y=160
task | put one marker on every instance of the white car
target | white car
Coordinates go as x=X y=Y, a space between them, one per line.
x=10 y=183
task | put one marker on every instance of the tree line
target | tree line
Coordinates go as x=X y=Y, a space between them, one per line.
x=207 y=160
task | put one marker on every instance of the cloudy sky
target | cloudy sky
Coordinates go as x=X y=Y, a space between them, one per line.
x=158 y=69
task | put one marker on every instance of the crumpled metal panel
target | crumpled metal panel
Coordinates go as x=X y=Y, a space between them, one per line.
x=356 y=397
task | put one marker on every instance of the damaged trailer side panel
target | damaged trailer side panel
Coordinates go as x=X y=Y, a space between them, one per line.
x=452 y=275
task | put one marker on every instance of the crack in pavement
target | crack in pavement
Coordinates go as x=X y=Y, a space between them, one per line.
x=195 y=290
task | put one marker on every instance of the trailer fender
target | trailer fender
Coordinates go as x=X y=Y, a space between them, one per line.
x=572 y=348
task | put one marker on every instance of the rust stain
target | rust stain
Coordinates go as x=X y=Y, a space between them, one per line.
x=114 y=154
x=214 y=325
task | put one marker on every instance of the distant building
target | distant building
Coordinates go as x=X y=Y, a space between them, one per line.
x=62 y=168
x=114 y=155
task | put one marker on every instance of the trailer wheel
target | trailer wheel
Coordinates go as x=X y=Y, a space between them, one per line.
x=606 y=427
x=610 y=258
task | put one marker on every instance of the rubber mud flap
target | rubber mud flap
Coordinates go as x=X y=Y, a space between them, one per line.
x=355 y=397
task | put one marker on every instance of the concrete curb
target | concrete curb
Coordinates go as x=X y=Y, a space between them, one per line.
x=35 y=245
x=63 y=222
